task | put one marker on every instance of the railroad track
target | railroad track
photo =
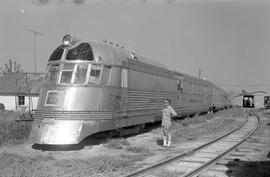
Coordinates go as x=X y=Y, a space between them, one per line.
x=198 y=160
x=249 y=158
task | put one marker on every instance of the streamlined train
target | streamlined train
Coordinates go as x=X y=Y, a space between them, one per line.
x=96 y=87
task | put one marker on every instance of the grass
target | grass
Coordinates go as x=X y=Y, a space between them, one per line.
x=194 y=120
x=139 y=153
x=45 y=165
x=233 y=112
x=138 y=149
x=104 y=164
x=125 y=144
x=11 y=131
x=193 y=128
x=126 y=155
x=117 y=143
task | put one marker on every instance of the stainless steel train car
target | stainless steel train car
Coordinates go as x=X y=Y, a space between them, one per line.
x=100 y=86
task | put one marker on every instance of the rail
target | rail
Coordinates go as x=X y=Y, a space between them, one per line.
x=155 y=167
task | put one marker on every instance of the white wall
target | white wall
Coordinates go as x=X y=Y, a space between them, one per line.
x=259 y=101
x=10 y=102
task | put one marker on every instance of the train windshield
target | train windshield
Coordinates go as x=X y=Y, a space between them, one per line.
x=81 y=52
x=57 y=54
x=83 y=73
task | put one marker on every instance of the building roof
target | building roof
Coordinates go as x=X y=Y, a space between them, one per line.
x=256 y=93
x=21 y=83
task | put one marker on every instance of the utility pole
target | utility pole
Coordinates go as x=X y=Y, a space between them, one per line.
x=199 y=73
x=35 y=45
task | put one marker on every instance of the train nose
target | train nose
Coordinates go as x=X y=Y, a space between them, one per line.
x=50 y=131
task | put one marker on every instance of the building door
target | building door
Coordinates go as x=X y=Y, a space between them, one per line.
x=248 y=101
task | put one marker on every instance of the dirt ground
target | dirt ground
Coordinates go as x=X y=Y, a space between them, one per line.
x=111 y=157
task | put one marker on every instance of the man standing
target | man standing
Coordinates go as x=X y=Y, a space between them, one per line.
x=167 y=113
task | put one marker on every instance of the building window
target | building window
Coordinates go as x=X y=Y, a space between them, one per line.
x=21 y=100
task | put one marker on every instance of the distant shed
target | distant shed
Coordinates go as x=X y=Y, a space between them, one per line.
x=20 y=91
x=250 y=100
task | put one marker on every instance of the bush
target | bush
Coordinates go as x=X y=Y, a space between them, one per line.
x=12 y=132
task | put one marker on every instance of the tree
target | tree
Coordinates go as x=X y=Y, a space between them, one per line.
x=11 y=67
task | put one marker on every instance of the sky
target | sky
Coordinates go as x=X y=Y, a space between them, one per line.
x=227 y=40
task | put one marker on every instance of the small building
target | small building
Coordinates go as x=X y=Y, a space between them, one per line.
x=20 y=91
x=250 y=100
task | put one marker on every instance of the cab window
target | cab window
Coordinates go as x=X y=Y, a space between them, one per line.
x=57 y=54
x=53 y=72
x=67 y=72
x=81 y=52
x=81 y=72
x=105 y=76
x=94 y=74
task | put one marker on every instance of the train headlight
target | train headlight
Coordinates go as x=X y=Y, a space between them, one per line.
x=62 y=132
x=68 y=132
x=66 y=40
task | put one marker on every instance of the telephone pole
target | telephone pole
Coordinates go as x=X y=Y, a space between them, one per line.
x=35 y=33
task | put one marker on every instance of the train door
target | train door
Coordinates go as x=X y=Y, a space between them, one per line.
x=124 y=90
x=180 y=87
x=121 y=120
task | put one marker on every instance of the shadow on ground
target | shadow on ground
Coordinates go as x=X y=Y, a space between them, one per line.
x=159 y=142
x=88 y=141
x=238 y=168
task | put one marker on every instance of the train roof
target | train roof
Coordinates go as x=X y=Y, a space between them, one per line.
x=114 y=54
x=186 y=76
x=108 y=52
x=198 y=80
